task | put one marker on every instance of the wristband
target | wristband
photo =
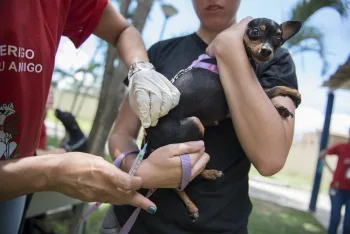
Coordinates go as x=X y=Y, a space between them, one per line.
x=119 y=159
x=186 y=170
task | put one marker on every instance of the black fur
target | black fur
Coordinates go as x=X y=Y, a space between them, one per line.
x=76 y=139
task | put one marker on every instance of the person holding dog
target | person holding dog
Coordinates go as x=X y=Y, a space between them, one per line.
x=29 y=39
x=254 y=134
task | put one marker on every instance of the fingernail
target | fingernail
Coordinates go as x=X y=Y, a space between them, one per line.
x=152 y=209
x=200 y=143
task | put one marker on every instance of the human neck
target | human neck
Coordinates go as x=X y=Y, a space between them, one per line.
x=208 y=35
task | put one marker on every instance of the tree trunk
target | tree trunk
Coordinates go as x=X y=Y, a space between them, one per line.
x=112 y=90
x=76 y=95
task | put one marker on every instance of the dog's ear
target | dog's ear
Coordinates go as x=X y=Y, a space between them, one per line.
x=290 y=28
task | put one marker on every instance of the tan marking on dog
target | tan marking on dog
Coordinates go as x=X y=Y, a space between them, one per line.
x=278 y=32
x=284 y=91
x=212 y=174
x=191 y=207
x=199 y=124
x=263 y=27
x=254 y=46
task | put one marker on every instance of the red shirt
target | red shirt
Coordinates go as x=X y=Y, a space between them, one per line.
x=29 y=37
x=341 y=176
x=43 y=137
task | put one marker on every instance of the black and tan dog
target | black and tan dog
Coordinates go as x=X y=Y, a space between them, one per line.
x=195 y=111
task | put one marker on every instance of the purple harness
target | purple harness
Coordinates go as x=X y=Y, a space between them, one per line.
x=185 y=159
x=199 y=64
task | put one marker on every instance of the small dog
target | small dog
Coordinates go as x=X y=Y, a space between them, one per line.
x=203 y=103
x=76 y=139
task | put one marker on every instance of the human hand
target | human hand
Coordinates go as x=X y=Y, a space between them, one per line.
x=162 y=169
x=92 y=179
x=152 y=96
x=232 y=36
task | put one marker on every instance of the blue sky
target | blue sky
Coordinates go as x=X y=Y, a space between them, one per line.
x=337 y=40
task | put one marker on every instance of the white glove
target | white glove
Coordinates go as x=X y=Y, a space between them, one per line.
x=152 y=96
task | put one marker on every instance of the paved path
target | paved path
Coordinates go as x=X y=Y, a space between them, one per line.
x=281 y=194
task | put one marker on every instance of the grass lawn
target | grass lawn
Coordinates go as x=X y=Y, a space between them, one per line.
x=295 y=180
x=266 y=218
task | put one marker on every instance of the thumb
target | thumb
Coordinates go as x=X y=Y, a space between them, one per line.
x=136 y=199
x=209 y=51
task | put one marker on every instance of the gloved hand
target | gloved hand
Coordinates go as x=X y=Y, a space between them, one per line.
x=152 y=96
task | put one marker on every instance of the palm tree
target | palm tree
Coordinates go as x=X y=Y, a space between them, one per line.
x=303 y=11
x=112 y=90
x=79 y=85
x=300 y=43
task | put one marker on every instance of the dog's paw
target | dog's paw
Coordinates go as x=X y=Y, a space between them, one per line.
x=193 y=213
x=212 y=174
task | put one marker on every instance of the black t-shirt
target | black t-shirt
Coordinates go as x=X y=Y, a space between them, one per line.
x=224 y=204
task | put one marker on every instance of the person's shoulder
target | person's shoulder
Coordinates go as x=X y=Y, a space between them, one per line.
x=344 y=145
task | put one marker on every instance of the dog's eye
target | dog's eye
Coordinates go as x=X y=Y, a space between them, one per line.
x=255 y=32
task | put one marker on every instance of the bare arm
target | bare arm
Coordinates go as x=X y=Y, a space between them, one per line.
x=265 y=136
x=52 y=151
x=323 y=155
x=116 y=30
x=124 y=134
x=24 y=176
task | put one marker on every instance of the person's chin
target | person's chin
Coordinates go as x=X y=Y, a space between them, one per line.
x=216 y=26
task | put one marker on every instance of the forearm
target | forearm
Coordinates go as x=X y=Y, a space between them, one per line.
x=117 y=31
x=130 y=47
x=119 y=143
x=52 y=151
x=26 y=175
x=259 y=127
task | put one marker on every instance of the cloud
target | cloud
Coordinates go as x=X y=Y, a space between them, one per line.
x=69 y=57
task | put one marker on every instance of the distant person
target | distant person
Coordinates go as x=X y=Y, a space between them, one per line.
x=340 y=186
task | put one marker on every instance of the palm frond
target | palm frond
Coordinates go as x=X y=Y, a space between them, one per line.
x=306 y=33
x=302 y=11
x=306 y=8
x=309 y=39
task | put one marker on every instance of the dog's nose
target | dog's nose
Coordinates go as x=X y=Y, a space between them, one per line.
x=265 y=52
